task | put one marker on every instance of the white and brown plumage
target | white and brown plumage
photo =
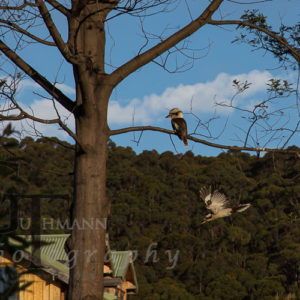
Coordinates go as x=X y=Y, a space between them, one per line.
x=218 y=204
x=178 y=124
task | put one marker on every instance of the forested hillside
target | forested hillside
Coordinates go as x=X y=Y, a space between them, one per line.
x=156 y=210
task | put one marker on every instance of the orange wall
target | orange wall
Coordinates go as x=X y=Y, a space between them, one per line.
x=42 y=287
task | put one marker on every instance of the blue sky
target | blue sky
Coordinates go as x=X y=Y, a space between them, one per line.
x=147 y=95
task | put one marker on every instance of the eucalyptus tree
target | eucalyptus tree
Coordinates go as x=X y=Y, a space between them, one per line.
x=80 y=40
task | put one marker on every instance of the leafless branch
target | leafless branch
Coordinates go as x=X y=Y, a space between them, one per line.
x=132 y=8
x=272 y=34
x=61 y=45
x=220 y=146
x=149 y=55
x=13 y=111
x=188 y=8
x=22 y=115
x=206 y=125
x=59 y=7
x=260 y=114
x=137 y=141
x=183 y=49
x=250 y=2
x=18 y=7
x=19 y=29
x=38 y=78
x=173 y=143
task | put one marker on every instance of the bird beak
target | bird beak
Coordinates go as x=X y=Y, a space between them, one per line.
x=168 y=116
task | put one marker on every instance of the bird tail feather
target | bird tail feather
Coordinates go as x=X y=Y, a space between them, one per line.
x=242 y=207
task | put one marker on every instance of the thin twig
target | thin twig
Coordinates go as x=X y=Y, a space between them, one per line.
x=173 y=143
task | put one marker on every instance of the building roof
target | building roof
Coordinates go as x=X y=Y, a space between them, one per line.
x=55 y=249
x=121 y=262
x=48 y=256
x=52 y=245
x=52 y=258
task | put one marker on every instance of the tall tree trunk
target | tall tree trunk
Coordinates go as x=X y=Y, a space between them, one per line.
x=90 y=208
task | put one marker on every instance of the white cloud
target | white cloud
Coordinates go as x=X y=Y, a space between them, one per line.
x=26 y=84
x=65 y=88
x=43 y=109
x=203 y=96
x=153 y=108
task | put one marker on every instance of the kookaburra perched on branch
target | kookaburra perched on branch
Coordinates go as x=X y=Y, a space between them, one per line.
x=178 y=124
x=218 y=204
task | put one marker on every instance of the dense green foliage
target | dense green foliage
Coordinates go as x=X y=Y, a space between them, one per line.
x=156 y=210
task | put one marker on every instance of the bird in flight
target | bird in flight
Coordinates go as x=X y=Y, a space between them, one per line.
x=178 y=124
x=218 y=204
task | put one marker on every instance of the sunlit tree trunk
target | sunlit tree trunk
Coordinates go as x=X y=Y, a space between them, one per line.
x=90 y=205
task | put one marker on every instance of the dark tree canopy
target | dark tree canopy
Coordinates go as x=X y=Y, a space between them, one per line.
x=252 y=254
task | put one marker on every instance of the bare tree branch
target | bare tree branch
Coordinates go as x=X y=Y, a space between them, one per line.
x=61 y=45
x=59 y=7
x=19 y=7
x=278 y=38
x=17 y=28
x=260 y=114
x=250 y=2
x=170 y=136
x=38 y=78
x=133 y=9
x=292 y=134
x=236 y=148
x=138 y=61
x=24 y=115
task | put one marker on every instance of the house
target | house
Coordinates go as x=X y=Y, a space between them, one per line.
x=46 y=267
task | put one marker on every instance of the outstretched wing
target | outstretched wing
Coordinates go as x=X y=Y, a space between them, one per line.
x=205 y=194
x=218 y=202
x=215 y=201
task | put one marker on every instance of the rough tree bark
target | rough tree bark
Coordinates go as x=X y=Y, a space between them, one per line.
x=91 y=204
